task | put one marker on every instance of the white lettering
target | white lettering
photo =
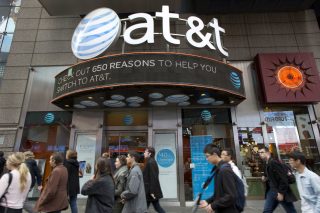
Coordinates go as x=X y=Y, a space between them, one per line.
x=166 y=15
x=148 y=36
x=217 y=30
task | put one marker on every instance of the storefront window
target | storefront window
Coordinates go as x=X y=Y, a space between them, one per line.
x=127 y=131
x=291 y=130
x=200 y=127
x=45 y=133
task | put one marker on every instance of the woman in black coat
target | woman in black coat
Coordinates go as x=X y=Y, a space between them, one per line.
x=151 y=180
x=100 y=189
x=72 y=166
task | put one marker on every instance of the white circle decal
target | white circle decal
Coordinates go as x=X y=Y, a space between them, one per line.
x=95 y=33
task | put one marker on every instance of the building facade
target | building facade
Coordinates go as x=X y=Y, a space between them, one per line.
x=40 y=112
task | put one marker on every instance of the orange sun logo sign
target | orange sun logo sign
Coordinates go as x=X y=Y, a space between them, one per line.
x=290 y=77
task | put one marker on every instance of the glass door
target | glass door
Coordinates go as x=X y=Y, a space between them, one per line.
x=120 y=142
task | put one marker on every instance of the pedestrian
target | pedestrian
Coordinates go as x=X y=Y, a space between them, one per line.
x=15 y=185
x=308 y=183
x=134 y=196
x=224 y=198
x=35 y=178
x=2 y=162
x=151 y=180
x=72 y=165
x=54 y=196
x=277 y=186
x=226 y=156
x=108 y=156
x=100 y=189
x=120 y=179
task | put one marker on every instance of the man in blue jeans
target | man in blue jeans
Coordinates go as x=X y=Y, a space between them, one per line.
x=277 y=186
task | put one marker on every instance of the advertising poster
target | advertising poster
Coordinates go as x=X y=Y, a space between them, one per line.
x=165 y=146
x=86 y=148
x=287 y=138
x=304 y=127
x=202 y=168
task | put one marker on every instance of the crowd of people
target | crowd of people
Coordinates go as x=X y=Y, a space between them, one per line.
x=229 y=192
x=128 y=188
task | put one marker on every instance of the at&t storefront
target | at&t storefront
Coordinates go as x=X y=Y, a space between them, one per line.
x=119 y=97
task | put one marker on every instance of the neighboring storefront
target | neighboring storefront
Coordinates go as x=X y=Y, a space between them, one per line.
x=157 y=85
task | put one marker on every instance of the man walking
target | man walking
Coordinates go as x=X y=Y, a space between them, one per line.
x=54 y=197
x=151 y=180
x=224 y=198
x=35 y=178
x=277 y=186
x=226 y=156
x=134 y=196
x=308 y=183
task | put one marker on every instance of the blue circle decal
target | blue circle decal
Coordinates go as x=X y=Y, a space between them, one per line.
x=235 y=80
x=165 y=158
x=95 y=33
x=49 y=118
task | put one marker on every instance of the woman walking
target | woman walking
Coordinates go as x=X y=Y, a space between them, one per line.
x=120 y=178
x=100 y=189
x=14 y=186
x=72 y=165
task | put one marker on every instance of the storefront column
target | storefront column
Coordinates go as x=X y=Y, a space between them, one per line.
x=235 y=136
x=315 y=126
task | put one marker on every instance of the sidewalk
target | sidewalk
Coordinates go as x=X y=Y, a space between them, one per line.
x=253 y=206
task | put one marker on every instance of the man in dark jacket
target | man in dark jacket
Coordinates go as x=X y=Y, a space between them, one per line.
x=72 y=165
x=151 y=180
x=35 y=178
x=224 y=198
x=277 y=186
x=2 y=162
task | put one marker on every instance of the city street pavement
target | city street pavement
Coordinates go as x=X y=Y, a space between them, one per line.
x=253 y=206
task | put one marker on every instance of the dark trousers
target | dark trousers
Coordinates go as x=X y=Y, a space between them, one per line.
x=156 y=206
x=272 y=203
x=9 y=210
x=73 y=204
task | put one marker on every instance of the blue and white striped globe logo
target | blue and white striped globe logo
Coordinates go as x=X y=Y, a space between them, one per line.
x=49 y=118
x=95 y=33
x=206 y=115
x=235 y=80
x=128 y=120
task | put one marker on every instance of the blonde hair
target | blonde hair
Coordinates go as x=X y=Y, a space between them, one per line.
x=71 y=154
x=16 y=160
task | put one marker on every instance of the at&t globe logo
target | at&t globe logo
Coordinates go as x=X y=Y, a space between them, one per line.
x=95 y=33
x=235 y=80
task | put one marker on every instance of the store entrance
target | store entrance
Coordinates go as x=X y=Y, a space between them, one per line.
x=120 y=142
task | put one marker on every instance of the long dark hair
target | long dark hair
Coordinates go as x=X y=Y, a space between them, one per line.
x=103 y=167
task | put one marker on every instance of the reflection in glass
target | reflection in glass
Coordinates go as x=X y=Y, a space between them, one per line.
x=11 y=25
x=6 y=44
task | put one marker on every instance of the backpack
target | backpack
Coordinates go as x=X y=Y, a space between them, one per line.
x=3 y=197
x=289 y=173
x=240 y=198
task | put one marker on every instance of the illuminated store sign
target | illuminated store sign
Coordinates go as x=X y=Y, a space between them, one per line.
x=101 y=28
x=289 y=77
x=179 y=75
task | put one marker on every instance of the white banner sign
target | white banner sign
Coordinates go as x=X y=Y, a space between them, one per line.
x=86 y=148
x=165 y=146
